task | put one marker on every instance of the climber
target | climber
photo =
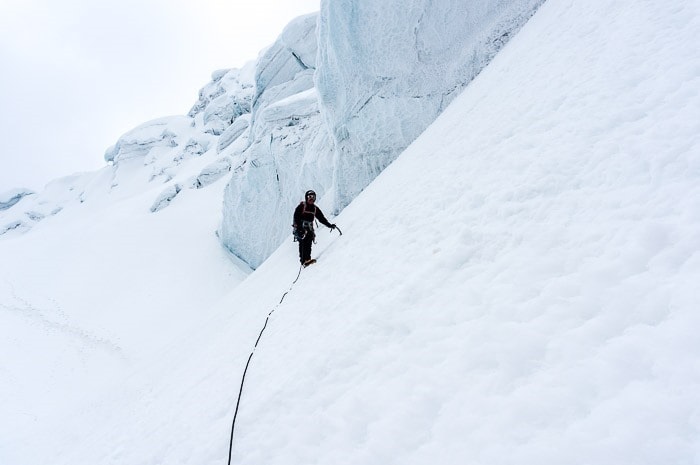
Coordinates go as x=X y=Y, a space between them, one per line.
x=304 y=216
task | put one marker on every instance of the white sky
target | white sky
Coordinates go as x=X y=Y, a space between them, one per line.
x=77 y=74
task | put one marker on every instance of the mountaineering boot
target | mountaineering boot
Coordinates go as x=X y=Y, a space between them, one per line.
x=310 y=261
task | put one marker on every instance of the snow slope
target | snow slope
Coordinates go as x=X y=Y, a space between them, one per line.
x=519 y=286
x=91 y=294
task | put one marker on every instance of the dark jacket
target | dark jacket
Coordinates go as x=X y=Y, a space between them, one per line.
x=305 y=214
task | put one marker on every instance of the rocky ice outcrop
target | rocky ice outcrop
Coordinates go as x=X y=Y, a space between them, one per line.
x=221 y=104
x=34 y=208
x=161 y=146
x=21 y=220
x=12 y=197
x=162 y=156
x=154 y=151
x=167 y=196
x=387 y=69
x=213 y=172
x=138 y=142
x=224 y=99
x=233 y=132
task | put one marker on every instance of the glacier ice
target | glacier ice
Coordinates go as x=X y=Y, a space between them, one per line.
x=138 y=142
x=233 y=132
x=225 y=99
x=167 y=196
x=387 y=69
x=10 y=198
x=213 y=172
x=288 y=151
x=340 y=94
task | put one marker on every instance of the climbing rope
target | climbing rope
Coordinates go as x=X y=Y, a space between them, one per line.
x=240 y=391
x=245 y=370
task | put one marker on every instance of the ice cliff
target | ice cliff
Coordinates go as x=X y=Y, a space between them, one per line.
x=289 y=149
x=382 y=72
x=326 y=107
x=387 y=69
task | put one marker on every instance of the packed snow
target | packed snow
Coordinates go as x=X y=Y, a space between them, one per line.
x=519 y=286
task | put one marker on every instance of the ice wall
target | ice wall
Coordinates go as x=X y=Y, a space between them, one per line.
x=339 y=95
x=387 y=69
x=289 y=148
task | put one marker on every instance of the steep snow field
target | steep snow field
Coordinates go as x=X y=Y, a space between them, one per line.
x=520 y=286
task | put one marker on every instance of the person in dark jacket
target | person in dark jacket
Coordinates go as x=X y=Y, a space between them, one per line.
x=304 y=216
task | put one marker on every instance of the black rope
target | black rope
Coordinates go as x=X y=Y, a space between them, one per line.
x=245 y=371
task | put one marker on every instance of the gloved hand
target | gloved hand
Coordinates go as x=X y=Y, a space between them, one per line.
x=333 y=226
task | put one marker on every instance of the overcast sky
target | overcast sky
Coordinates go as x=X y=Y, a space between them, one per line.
x=77 y=74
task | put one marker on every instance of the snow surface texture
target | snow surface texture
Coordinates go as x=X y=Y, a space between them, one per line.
x=387 y=69
x=519 y=286
x=224 y=99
